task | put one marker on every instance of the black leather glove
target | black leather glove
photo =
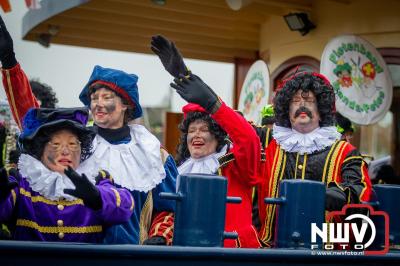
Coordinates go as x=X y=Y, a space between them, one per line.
x=335 y=199
x=5 y=185
x=84 y=190
x=194 y=90
x=170 y=57
x=155 y=241
x=7 y=55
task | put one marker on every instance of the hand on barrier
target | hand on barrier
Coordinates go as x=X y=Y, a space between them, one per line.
x=335 y=199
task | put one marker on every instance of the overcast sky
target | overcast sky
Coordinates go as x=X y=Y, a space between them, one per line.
x=68 y=68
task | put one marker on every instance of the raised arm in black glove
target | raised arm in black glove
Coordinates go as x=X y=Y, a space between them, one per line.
x=194 y=90
x=170 y=57
x=335 y=199
x=7 y=55
x=5 y=185
x=84 y=189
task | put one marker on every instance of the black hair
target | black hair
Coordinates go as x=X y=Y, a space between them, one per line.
x=387 y=175
x=344 y=123
x=307 y=82
x=13 y=156
x=268 y=120
x=44 y=93
x=215 y=130
x=36 y=146
x=129 y=113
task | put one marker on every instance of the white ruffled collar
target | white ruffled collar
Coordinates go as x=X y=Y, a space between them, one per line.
x=48 y=183
x=136 y=165
x=206 y=165
x=291 y=140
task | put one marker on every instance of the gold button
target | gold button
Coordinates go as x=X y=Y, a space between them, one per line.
x=60 y=207
x=61 y=235
x=300 y=166
x=60 y=222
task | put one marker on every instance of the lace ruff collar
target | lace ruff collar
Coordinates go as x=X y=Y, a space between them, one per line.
x=291 y=140
x=136 y=165
x=205 y=165
x=48 y=183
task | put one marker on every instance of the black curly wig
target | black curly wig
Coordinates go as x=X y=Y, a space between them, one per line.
x=306 y=81
x=35 y=147
x=268 y=120
x=44 y=93
x=215 y=130
x=129 y=113
x=344 y=123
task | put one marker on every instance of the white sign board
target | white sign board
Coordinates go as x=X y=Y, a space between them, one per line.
x=255 y=92
x=360 y=78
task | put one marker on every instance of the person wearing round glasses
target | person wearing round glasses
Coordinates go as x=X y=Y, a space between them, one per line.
x=51 y=197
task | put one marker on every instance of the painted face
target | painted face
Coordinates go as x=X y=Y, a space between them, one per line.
x=200 y=141
x=107 y=109
x=63 y=149
x=303 y=112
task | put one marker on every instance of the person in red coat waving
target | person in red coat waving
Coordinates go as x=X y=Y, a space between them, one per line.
x=204 y=148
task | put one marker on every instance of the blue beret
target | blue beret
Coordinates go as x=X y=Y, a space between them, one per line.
x=123 y=83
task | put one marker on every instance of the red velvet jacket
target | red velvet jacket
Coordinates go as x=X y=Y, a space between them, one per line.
x=19 y=93
x=240 y=167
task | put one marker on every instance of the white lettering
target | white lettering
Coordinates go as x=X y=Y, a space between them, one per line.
x=359 y=234
x=358 y=246
x=329 y=246
x=341 y=235
x=323 y=234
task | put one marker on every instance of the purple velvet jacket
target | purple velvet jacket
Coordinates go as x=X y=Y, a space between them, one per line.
x=38 y=218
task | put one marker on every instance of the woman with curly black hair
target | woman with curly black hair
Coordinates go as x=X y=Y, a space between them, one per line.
x=204 y=148
x=305 y=139
x=193 y=118
x=47 y=192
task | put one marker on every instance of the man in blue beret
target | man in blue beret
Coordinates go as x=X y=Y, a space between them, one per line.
x=132 y=155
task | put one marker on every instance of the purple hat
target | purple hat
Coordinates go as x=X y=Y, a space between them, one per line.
x=39 y=119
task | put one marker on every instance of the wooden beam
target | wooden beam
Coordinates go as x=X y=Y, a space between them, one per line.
x=158 y=24
x=195 y=8
x=133 y=40
x=172 y=16
x=138 y=29
x=305 y=5
x=252 y=8
x=94 y=15
x=345 y=2
x=84 y=42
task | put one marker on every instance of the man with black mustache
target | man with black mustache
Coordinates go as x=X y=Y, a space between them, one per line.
x=304 y=144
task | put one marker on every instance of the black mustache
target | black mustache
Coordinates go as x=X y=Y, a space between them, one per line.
x=303 y=109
